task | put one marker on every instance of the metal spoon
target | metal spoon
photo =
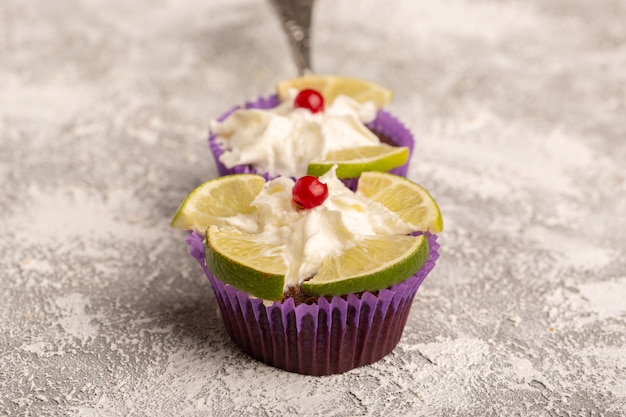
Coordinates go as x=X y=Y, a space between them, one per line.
x=295 y=18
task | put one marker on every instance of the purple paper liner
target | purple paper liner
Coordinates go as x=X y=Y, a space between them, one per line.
x=323 y=338
x=384 y=123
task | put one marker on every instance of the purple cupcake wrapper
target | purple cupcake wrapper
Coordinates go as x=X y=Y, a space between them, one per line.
x=324 y=338
x=384 y=123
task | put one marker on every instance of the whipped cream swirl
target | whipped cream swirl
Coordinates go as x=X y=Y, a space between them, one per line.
x=306 y=237
x=284 y=139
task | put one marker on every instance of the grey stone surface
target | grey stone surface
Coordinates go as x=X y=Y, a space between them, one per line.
x=519 y=109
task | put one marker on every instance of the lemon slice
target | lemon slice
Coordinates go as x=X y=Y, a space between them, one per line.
x=214 y=201
x=409 y=200
x=373 y=264
x=330 y=86
x=353 y=161
x=241 y=260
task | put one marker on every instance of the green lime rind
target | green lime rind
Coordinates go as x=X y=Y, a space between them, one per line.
x=390 y=272
x=261 y=275
x=354 y=168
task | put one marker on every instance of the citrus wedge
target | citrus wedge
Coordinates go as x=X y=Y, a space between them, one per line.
x=353 y=161
x=214 y=201
x=241 y=260
x=410 y=201
x=373 y=264
x=330 y=86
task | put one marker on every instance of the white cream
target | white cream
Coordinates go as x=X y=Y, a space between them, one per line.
x=308 y=236
x=283 y=140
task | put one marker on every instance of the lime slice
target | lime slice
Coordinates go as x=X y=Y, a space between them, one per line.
x=375 y=263
x=257 y=266
x=330 y=86
x=241 y=260
x=214 y=201
x=353 y=161
x=410 y=201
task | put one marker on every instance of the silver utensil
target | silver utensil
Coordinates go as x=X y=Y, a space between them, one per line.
x=295 y=18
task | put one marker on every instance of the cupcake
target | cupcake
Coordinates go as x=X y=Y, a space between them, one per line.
x=311 y=124
x=310 y=276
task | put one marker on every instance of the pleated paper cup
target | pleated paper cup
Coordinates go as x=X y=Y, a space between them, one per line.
x=330 y=336
x=387 y=126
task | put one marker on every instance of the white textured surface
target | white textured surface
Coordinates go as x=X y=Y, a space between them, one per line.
x=519 y=108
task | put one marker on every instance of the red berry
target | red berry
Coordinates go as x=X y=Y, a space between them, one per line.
x=309 y=192
x=309 y=99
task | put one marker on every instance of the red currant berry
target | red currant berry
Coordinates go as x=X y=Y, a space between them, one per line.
x=309 y=99
x=309 y=192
